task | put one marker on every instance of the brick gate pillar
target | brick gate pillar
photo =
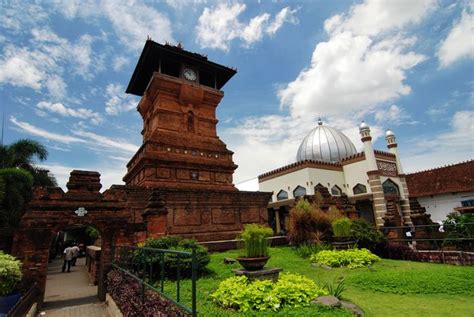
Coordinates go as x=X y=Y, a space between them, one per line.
x=155 y=216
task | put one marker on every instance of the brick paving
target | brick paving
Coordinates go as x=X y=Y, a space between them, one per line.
x=70 y=294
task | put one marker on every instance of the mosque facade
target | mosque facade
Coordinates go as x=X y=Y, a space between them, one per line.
x=373 y=180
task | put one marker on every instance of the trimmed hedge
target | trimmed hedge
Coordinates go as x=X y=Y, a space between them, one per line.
x=352 y=258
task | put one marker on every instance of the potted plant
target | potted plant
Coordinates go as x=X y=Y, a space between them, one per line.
x=10 y=276
x=255 y=242
x=341 y=229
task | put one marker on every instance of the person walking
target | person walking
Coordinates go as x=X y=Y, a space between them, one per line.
x=75 y=254
x=68 y=253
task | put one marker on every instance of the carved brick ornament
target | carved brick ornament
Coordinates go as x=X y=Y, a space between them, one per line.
x=387 y=168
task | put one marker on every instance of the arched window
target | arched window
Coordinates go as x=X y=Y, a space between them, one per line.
x=190 y=121
x=389 y=187
x=336 y=191
x=282 y=195
x=299 y=191
x=319 y=187
x=359 y=189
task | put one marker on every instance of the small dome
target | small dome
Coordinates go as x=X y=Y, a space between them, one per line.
x=389 y=133
x=326 y=144
x=363 y=126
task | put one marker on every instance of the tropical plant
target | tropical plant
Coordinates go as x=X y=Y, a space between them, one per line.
x=366 y=235
x=307 y=223
x=254 y=237
x=459 y=230
x=10 y=273
x=342 y=227
x=305 y=250
x=22 y=154
x=337 y=288
x=352 y=258
x=291 y=290
x=16 y=193
x=171 y=260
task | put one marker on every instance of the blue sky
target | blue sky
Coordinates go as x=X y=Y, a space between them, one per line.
x=404 y=65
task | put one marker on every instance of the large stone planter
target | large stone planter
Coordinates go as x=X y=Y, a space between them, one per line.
x=341 y=243
x=8 y=301
x=253 y=264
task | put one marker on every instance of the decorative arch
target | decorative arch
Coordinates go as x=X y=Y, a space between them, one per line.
x=359 y=189
x=336 y=191
x=319 y=187
x=390 y=188
x=299 y=191
x=282 y=195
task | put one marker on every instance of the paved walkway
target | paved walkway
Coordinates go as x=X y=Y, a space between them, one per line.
x=70 y=294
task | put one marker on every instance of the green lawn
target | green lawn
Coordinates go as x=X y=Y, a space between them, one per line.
x=388 y=288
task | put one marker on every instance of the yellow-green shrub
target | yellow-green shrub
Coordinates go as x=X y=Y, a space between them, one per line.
x=351 y=258
x=10 y=273
x=291 y=290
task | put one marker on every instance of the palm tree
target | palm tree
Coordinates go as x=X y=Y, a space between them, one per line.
x=22 y=154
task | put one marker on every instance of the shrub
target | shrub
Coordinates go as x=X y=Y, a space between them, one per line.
x=351 y=258
x=366 y=235
x=255 y=240
x=10 y=273
x=171 y=260
x=305 y=250
x=460 y=227
x=127 y=293
x=291 y=290
x=307 y=223
x=342 y=227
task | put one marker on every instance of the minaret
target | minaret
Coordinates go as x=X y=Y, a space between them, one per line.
x=404 y=203
x=379 y=203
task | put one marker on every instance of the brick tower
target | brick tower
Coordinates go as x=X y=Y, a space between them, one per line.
x=180 y=93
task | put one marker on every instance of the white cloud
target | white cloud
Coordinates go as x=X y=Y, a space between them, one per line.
x=285 y=15
x=373 y=17
x=394 y=115
x=351 y=74
x=81 y=113
x=220 y=25
x=119 y=62
x=117 y=101
x=107 y=142
x=31 y=129
x=459 y=43
x=356 y=74
x=452 y=146
x=43 y=65
x=133 y=21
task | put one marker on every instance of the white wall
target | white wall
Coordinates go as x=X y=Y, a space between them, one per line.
x=439 y=206
x=306 y=177
x=354 y=174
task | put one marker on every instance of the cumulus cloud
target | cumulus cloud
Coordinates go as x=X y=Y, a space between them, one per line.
x=394 y=115
x=355 y=74
x=119 y=62
x=459 y=43
x=117 y=101
x=220 y=25
x=81 y=113
x=44 y=64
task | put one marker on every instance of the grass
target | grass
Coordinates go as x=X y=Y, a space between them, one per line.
x=387 y=288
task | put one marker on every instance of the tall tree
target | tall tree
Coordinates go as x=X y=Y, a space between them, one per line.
x=22 y=154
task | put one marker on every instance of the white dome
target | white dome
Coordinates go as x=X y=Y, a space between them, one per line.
x=389 y=133
x=326 y=144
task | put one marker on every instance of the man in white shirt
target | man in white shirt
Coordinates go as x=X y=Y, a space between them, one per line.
x=67 y=254
x=75 y=254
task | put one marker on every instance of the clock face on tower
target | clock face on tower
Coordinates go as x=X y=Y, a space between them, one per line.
x=189 y=74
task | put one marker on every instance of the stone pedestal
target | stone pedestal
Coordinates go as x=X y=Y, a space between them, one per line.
x=263 y=274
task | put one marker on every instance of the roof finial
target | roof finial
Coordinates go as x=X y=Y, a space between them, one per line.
x=320 y=122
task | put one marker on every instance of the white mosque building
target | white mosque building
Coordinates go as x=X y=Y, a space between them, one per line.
x=371 y=179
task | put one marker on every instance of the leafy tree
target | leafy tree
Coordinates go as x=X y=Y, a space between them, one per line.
x=460 y=230
x=16 y=192
x=22 y=154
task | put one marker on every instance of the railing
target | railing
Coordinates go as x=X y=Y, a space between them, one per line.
x=25 y=303
x=147 y=266
x=436 y=235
